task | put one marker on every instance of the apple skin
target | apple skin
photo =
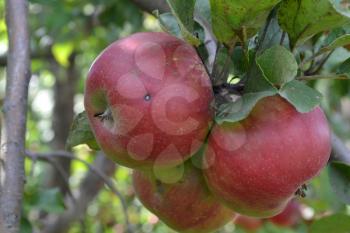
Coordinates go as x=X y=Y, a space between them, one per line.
x=186 y=206
x=289 y=217
x=247 y=223
x=259 y=163
x=148 y=100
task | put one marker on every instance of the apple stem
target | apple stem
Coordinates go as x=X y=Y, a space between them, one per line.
x=105 y=116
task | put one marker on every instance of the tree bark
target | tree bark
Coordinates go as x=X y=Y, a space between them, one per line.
x=14 y=116
x=63 y=114
x=45 y=54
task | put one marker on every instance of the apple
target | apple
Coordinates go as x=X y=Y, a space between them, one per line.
x=260 y=163
x=289 y=217
x=148 y=100
x=186 y=205
x=247 y=223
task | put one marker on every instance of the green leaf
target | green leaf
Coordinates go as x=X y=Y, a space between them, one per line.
x=278 y=65
x=339 y=176
x=26 y=226
x=269 y=227
x=222 y=67
x=81 y=133
x=203 y=17
x=256 y=81
x=337 y=223
x=302 y=19
x=51 y=201
x=344 y=68
x=202 y=8
x=270 y=37
x=303 y=97
x=338 y=42
x=169 y=24
x=232 y=18
x=239 y=61
x=183 y=12
x=61 y=52
x=336 y=33
x=240 y=109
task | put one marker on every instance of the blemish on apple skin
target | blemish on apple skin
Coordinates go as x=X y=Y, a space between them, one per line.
x=147 y=97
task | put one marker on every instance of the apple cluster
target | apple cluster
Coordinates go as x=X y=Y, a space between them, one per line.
x=150 y=104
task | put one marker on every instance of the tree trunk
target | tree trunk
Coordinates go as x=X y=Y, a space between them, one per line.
x=14 y=119
x=63 y=113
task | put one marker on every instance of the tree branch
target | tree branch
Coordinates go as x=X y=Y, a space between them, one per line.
x=340 y=152
x=34 y=55
x=88 y=189
x=15 y=111
x=319 y=65
x=151 y=5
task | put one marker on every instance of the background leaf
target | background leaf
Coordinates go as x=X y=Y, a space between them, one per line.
x=232 y=18
x=337 y=223
x=202 y=7
x=61 y=52
x=26 y=226
x=338 y=42
x=169 y=24
x=183 y=12
x=272 y=36
x=51 y=201
x=344 y=68
x=302 y=19
x=339 y=175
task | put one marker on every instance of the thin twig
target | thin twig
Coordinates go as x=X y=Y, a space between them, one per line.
x=330 y=77
x=306 y=60
x=321 y=64
x=282 y=38
x=227 y=60
x=64 y=176
x=42 y=54
x=262 y=38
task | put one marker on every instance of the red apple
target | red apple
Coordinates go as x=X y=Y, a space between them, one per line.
x=148 y=100
x=186 y=206
x=259 y=163
x=247 y=223
x=289 y=217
